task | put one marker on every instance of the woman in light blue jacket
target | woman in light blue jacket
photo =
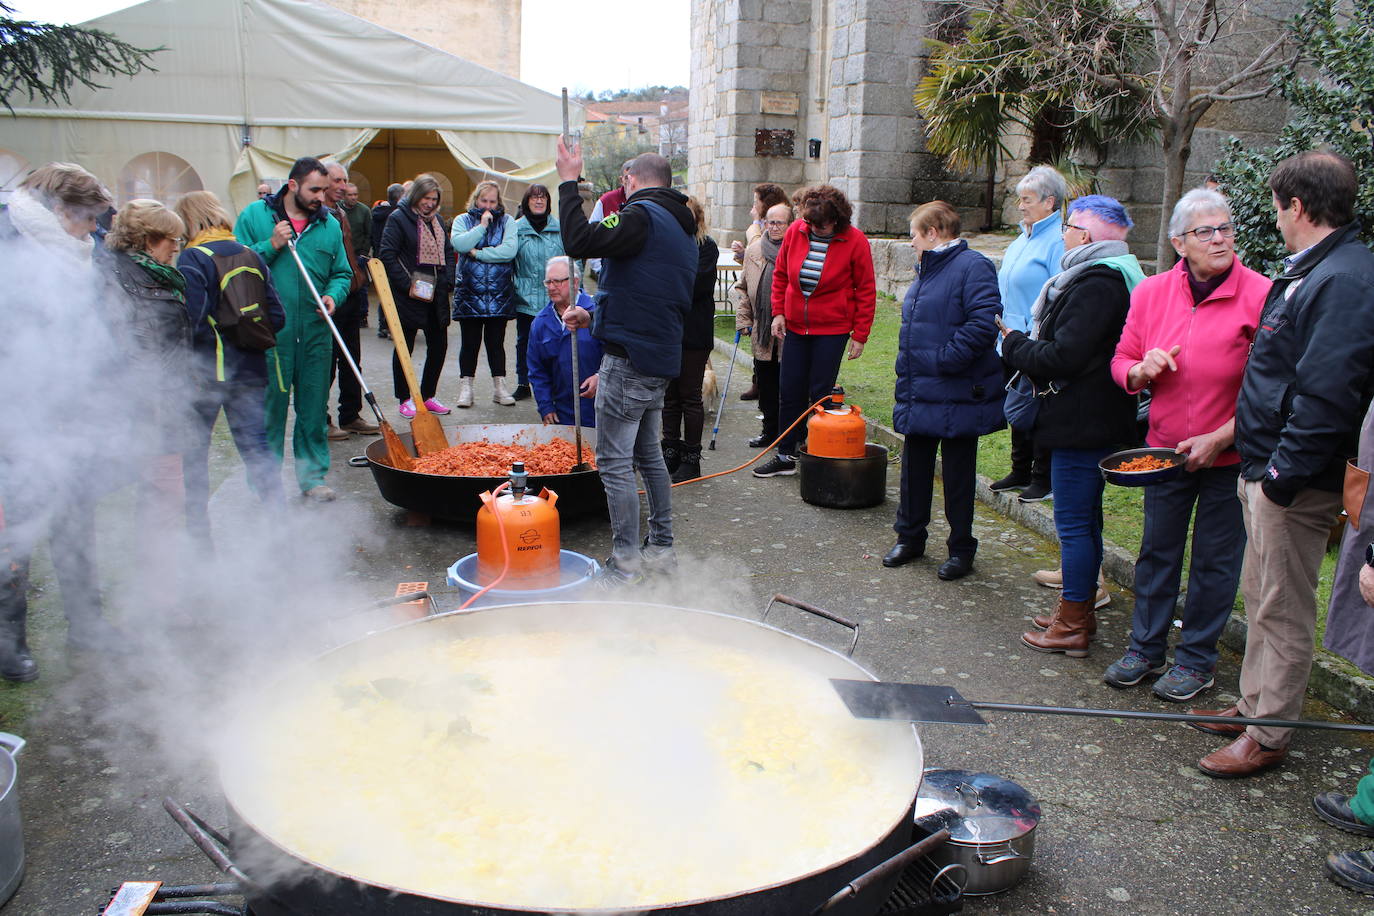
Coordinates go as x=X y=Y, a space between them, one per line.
x=537 y=229
x=484 y=295
x=1028 y=264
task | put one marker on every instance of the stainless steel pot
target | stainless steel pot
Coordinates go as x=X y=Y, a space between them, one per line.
x=298 y=885
x=11 y=825
x=991 y=823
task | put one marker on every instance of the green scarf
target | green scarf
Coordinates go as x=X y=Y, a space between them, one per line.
x=166 y=276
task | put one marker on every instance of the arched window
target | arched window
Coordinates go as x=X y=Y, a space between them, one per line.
x=160 y=176
x=13 y=168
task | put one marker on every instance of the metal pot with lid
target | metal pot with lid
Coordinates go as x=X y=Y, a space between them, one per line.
x=991 y=823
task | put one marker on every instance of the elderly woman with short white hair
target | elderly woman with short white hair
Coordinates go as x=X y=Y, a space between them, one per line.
x=1186 y=338
x=1030 y=260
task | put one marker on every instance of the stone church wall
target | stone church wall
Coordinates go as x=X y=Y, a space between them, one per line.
x=850 y=67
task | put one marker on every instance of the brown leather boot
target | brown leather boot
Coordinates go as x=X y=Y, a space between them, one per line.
x=1043 y=622
x=1068 y=632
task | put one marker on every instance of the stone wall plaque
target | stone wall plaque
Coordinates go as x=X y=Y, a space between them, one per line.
x=780 y=103
x=770 y=142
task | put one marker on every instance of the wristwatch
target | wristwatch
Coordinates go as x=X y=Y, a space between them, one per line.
x=1369 y=555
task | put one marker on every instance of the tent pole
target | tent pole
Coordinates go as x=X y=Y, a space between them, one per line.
x=391 y=156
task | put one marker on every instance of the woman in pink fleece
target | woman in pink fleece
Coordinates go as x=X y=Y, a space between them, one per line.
x=1186 y=338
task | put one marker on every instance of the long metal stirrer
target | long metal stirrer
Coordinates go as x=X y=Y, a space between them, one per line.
x=334 y=329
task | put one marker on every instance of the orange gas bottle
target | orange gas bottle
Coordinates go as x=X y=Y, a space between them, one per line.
x=836 y=429
x=529 y=525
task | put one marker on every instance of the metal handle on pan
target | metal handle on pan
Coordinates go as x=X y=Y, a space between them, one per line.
x=206 y=838
x=1006 y=855
x=896 y=863
x=819 y=612
x=12 y=743
x=955 y=874
x=403 y=599
x=359 y=461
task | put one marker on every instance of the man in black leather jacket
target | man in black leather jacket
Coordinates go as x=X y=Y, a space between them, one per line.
x=1305 y=389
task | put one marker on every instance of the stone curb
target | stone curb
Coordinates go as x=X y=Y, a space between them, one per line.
x=1351 y=692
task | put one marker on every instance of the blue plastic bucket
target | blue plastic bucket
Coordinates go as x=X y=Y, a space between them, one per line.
x=574 y=571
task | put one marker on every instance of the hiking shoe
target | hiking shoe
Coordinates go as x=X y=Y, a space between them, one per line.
x=1354 y=870
x=657 y=558
x=1130 y=669
x=777 y=466
x=337 y=435
x=320 y=494
x=1035 y=493
x=433 y=406
x=612 y=577
x=359 y=425
x=1334 y=808
x=1182 y=683
x=407 y=409
x=1010 y=482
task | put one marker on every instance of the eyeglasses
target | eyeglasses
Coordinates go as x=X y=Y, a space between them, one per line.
x=774 y=223
x=556 y=281
x=1068 y=226
x=1205 y=233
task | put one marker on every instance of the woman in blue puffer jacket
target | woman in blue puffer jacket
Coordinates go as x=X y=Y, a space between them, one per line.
x=949 y=384
x=484 y=297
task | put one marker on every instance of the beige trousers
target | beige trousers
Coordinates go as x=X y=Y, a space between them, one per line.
x=1283 y=556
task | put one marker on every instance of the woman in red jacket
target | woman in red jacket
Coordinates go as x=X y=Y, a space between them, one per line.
x=823 y=298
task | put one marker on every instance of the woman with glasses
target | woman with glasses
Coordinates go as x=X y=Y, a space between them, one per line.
x=1082 y=415
x=1186 y=338
x=537 y=228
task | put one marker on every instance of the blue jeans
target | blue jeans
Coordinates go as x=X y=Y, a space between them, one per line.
x=1077 y=484
x=243 y=410
x=629 y=423
x=1213 y=574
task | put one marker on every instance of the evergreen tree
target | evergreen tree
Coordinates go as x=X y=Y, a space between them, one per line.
x=1331 y=105
x=45 y=61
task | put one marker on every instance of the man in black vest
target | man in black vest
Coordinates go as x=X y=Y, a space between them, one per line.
x=649 y=263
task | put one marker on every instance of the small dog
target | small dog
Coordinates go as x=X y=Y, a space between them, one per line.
x=710 y=387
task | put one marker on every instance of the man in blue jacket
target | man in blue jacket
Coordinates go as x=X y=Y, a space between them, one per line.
x=648 y=266
x=1306 y=387
x=550 y=350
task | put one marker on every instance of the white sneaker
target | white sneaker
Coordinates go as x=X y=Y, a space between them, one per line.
x=465 y=391
x=499 y=394
x=1050 y=578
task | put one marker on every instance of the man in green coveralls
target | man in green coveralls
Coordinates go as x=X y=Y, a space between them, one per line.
x=305 y=347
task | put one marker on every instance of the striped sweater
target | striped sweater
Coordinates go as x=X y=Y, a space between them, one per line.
x=810 y=273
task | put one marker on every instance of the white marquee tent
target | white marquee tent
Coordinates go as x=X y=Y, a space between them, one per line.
x=244 y=87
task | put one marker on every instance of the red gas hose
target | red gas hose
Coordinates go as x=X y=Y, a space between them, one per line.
x=492 y=502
